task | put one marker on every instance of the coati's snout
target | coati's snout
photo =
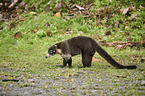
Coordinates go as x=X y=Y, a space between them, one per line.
x=48 y=55
x=51 y=51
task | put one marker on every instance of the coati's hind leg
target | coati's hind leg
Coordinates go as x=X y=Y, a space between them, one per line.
x=65 y=61
x=87 y=60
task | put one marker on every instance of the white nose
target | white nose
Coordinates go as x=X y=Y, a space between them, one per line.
x=47 y=56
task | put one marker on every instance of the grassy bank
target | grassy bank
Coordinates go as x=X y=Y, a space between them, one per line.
x=23 y=58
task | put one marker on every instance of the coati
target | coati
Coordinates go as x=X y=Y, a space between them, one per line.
x=85 y=46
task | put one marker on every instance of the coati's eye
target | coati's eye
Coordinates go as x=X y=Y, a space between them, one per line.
x=50 y=51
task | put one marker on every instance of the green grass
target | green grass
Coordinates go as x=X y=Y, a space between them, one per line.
x=25 y=56
x=28 y=58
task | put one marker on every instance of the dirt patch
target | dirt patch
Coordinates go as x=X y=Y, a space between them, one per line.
x=78 y=83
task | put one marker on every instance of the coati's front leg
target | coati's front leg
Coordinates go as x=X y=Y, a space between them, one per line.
x=65 y=61
x=86 y=60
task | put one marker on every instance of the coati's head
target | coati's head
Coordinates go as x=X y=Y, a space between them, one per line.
x=51 y=51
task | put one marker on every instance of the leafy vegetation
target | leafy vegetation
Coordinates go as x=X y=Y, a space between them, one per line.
x=23 y=58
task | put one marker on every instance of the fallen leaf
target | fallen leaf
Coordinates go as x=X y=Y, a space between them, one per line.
x=125 y=11
x=57 y=14
x=34 y=30
x=17 y=35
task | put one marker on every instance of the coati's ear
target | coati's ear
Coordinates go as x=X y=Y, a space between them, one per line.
x=55 y=46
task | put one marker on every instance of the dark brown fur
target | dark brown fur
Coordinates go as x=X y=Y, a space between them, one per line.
x=85 y=46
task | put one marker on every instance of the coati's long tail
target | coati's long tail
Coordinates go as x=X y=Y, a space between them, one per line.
x=106 y=56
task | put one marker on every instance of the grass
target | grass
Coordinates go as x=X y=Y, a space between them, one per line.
x=27 y=59
x=24 y=58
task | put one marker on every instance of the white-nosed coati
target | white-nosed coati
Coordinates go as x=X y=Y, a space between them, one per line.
x=85 y=46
